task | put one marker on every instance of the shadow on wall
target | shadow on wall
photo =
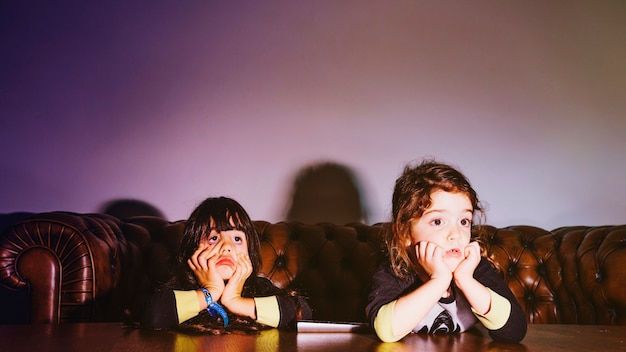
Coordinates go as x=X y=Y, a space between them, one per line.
x=326 y=192
x=125 y=208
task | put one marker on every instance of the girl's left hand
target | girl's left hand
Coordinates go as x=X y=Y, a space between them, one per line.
x=465 y=269
x=232 y=290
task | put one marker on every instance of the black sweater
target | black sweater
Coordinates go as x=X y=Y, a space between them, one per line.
x=387 y=287
x=159 y=312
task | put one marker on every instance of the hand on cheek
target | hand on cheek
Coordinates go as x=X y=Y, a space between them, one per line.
x=243 y=269
x=202 y=264
x=430 y=257
x=466 y=267
x=233 y=288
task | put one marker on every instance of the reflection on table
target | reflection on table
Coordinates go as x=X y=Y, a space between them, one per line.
x=114 y=337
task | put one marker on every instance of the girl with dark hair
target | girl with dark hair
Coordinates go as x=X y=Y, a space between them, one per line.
x=216 y=287
x=436 y=278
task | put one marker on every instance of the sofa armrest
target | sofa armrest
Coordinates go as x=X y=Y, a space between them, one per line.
x=72 y=267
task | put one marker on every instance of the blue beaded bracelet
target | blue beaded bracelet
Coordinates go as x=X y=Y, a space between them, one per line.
x=213 y=307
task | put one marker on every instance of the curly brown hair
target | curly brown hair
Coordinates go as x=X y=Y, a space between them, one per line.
x=411 y=197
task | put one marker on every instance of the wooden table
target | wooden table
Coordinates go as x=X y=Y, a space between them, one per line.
x=95 y=337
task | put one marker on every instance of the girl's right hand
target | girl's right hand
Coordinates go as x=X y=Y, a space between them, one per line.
x=202 y=264
x=430 y=258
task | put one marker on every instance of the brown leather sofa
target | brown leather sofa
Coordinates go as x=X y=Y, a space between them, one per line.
x=63 y=267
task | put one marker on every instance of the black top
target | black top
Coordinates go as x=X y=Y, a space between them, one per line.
x=160 y=309
x=452 y=313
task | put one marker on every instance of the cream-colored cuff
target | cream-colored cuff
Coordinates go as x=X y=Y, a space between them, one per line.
x=383 y=324
x=498 y=313
x=187 y=305
x=267 y=311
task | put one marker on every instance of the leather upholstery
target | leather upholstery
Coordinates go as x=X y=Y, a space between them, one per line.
x=89 y=267
x=572 y=275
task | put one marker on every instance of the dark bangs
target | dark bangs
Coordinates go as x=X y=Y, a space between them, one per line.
x=220 y=214
x=225 y=221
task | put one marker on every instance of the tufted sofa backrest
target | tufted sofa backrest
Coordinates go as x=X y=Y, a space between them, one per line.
x=571 y=275
x=88 y=267
x=331 y=265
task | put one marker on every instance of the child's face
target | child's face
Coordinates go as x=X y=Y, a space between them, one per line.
x=446 y=223
x=230 y=244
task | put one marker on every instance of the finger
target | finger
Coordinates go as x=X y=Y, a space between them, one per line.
x=436 y=250
x=421 y=250
x=214 y=250
x=246 y=264
x=427 y=253
x=433 y=251
x=202 y=259
x=242 y=266
x=212 y=259
x=246 y=260
x=468 y=251
x=239 y=274
x=193 y=259
x=472 y=249
x=209 y=256
x=191 y=265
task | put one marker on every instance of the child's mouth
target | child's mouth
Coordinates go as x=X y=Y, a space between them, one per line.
x=225 y=261
x=454 y=252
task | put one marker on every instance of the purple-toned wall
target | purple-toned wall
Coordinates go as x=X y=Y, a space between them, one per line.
x=168 y=102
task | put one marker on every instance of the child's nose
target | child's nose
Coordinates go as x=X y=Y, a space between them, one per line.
x=226 y=246
x=455 y=233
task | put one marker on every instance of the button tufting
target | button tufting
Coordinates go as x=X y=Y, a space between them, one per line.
x=512 y=269
x=280 y=262
x=541 y=270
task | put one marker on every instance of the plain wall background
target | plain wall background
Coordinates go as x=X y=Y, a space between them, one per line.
x=172 y=101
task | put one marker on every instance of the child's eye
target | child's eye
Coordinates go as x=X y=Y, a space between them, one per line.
x=466 y=222
x=238 y=239
x=436 y=222
x=213 y=239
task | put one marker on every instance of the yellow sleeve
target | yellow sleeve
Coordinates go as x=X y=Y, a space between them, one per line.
x=383 y=324
x=498 y=314
x=267 y=311
x=187 y=305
